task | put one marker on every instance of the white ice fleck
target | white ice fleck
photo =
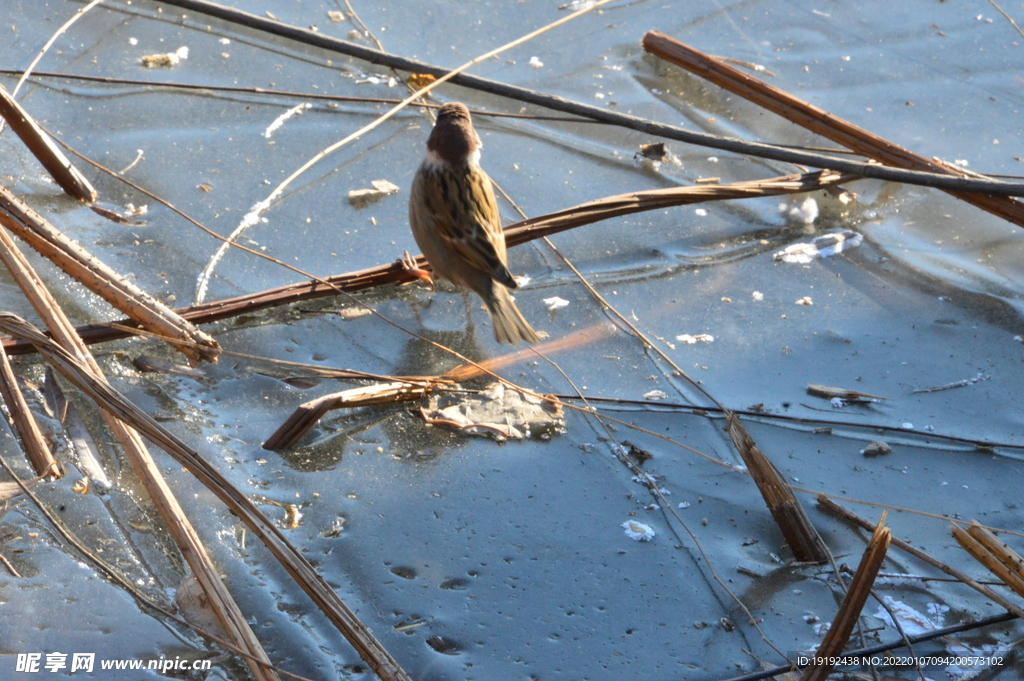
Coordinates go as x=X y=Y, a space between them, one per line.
x=133 y=41
x=536 y=63
x=654 y=395
x=225 y=41
x=555 y=303
x=684 y=504
x=692 y=340
x=805 y=213
x=638 y=531
x=701 y=211
x=907 y=426
x=279 y=121
x=912 y=622
x=823 y=246
x=838 y=402
x=757 y=295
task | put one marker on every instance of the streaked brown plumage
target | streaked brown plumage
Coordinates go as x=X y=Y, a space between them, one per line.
x=455 y=221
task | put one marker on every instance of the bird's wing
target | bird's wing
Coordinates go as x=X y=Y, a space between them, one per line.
x=467 y=219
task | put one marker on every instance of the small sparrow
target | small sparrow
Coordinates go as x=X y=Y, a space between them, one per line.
x=455 y=221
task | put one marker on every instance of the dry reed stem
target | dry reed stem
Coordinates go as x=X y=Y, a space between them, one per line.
x=371 y=651
x=805 y=542
x=993 y=553
x=849 y=610
x=921 y=555
x=515 y=234
x=9 y=490
x=36 y=449
x=43 y=148
x=818 y=121
x=78 y=263
x=307 y=414
x=185 y=536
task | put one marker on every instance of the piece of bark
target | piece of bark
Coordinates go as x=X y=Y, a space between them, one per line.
x=804 y=541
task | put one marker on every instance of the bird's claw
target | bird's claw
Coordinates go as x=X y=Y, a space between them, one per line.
x=409 y=265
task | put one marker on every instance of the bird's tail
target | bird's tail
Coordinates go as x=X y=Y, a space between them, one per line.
x=509 y=324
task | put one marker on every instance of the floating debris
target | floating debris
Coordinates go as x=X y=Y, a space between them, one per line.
x=418 y=81
x=823 y=246
x=656 y=152
x=654 y=395
x=957 y=384
x=497 y=411
x=638 y=531
x=364 y=197
x=876 y=448
x=152 y=61
x=806 y=300
x=830 y=393
x=536 y=63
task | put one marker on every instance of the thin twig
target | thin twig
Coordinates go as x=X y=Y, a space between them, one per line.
x=874 y=170
x=1007 y=17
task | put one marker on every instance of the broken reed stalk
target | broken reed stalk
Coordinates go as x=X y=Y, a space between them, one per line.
x=184 y=535
x=516 y=234
x=36 y=449
x=993 y=553
x=43 y=148
x=984 y=590
x=849 y=610
x=307 y=414
x=805 y=542
x=756 y=149
x=143 y=309
x=819 y=121
x=406 y=389
x=368 y=647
